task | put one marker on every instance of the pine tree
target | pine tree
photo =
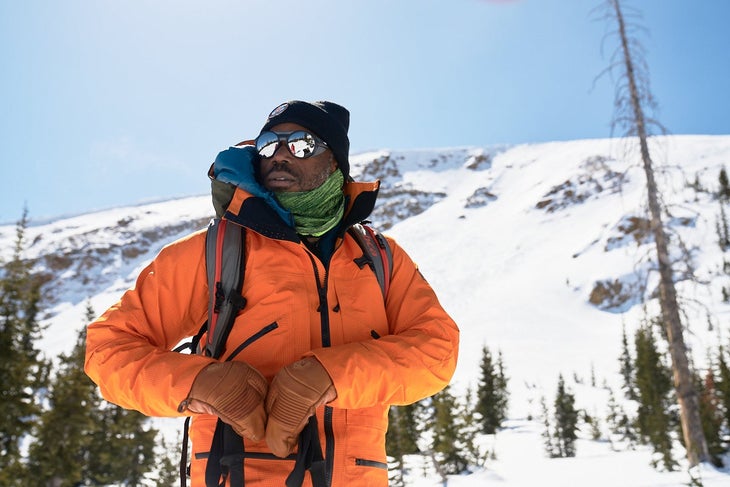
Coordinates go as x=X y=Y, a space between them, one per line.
x=595 y=425
x=723 y=229
x=168 y=470
x=697 y=186
x=723 y=390
x=82 y=439
x=59 y=455
x=469 y=428
x=613 y=413
x=403 y=431
x=446 y=449
x=593 y=375
x=548 y=439
x=627 y=367
x=712 y=416
x=23 y=370
x=566 y=421
x=724 y=193
x=122 y=448
x=654 y=384
x=618 y=422
x=492 y=394
x=401 y=438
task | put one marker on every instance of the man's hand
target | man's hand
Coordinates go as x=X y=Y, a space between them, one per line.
x=295 y=393
x=233 y=391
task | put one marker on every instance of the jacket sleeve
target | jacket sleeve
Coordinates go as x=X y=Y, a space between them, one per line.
x=416 y=360
x=128 y=348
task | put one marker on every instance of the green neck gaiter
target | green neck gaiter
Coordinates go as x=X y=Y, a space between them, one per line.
x=319 y=210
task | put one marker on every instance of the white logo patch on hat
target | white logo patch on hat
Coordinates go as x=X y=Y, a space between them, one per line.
x=278 y=110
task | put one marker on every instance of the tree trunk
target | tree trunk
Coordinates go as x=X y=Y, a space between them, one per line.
x=694 y=437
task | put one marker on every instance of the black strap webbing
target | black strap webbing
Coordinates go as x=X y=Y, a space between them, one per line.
x=309 y=457
x=225 y=459
x=184 y=454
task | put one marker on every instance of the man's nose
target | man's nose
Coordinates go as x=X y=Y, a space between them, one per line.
x=282 y=153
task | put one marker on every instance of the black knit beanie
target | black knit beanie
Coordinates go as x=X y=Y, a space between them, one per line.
x=328 y=121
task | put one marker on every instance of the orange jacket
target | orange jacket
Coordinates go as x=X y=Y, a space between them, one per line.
x=377 y=354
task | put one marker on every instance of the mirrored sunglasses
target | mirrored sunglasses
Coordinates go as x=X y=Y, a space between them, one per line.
x=300 y=143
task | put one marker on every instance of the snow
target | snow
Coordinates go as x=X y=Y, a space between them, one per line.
x=515 y=277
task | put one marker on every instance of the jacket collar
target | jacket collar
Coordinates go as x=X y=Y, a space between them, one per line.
x=254 y=213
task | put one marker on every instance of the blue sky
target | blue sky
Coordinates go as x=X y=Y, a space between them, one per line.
x=106 y=103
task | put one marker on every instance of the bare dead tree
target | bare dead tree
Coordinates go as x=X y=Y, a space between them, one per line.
x=633 y=98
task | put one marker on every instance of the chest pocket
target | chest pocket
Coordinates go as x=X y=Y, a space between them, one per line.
x=359 y=310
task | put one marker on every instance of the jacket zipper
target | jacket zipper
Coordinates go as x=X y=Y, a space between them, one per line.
x=323 y=309
x=370 y=463
x=263 y=331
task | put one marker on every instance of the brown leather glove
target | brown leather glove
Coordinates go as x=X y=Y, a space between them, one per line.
x=294 y=395
x=233 y=391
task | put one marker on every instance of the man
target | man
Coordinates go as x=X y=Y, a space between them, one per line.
x=317 y=338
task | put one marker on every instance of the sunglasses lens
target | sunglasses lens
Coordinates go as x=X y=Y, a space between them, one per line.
x=301 y=144
x=267 y=143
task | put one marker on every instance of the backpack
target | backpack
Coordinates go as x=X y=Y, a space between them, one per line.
x=225 y=268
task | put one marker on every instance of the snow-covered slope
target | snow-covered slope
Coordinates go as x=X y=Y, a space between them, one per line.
x=539 y=251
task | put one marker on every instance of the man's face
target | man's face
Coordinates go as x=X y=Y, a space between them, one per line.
x=284 y=172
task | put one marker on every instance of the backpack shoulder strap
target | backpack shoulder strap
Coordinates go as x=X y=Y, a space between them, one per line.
x=225 y=264
x=225 y=261
x=376 y=253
